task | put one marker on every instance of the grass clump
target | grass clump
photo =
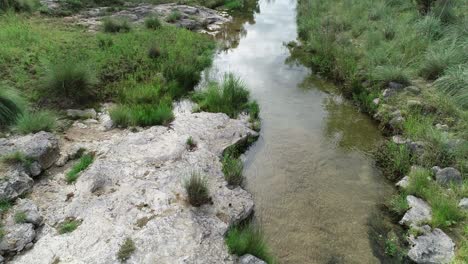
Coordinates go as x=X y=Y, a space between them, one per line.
x=152 y=23
x=142 y=115
x=394 y=159
x=111 y=25
x=11 y=106
x=69 y=82
x=82 y=164
x=36 y=121
x=20 y=217
x=232 y=169
x=174 y=16
x=68 y=226
x=399 y=204
x=16 y=158
x=19 y=5
x=191 y=144
x=5 y=205
x=247 y=239
x=126 y=250
x=230 y=97
x=197 y=190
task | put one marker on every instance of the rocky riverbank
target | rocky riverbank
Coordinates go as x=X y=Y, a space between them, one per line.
x=132 y=191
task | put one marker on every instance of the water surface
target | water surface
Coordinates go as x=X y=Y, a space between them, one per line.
x=314 y=183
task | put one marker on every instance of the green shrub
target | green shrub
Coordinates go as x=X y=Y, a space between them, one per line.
x=234 y=4
x=445 y=211
x=152 y=23
x=230 y=98
x=5 y=205
x=247 y=239
x=142 y=115
x=111 y=25
x=20 y=217
x=141 y=94
x=154 y=52
x=70 y=81
x=197 y=190
x=68 y=226
x=419 y=182
x=431 y=27
x=82 y=165
x=174 y=16
x=126 y=250
x=36 y=121
x=439 y=59
x=11 y=106
x=232 y=169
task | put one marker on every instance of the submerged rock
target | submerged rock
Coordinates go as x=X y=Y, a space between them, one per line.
x=448 y=175
x=419 y=212
x=434 y=247
x=135 y=188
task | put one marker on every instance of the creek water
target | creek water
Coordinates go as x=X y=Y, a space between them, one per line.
x=314 y=183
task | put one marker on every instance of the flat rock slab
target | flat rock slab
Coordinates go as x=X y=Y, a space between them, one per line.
x=434 y=247
x=135 y=189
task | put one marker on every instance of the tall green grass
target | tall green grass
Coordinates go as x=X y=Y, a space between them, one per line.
x=230 y=97
x=247 y=239
x=11 y=106
x=34 y=122
x=82 y=165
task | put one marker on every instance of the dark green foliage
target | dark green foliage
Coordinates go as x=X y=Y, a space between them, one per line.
x=142 y=115
x=126 y=250
x=191 y=144
x=111 y=25
x=70 y=82
x=19 y=5
x=16 y=158
x=398 y=204
x=197 y=190
x=82 y=165
x=152 y=23
x=36 y=121
x=174 y=16
x=154 y=52
x=5 y=205
x=11 y=106
x=232 y=169
x=247 y=239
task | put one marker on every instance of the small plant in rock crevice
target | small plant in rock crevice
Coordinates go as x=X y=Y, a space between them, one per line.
x=68 y=226
x=232 y=169
x=111 y=25
x=126 y=250
x=191 y=144
x=197 y=190
x=20 y=217
x=82 y=164
x=247 y=239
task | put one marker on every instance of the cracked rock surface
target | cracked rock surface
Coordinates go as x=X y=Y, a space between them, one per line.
x=134 y=189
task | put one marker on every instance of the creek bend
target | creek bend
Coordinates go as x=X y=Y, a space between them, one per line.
x=314 y=183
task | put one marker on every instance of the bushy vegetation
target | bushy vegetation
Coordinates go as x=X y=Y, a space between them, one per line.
x=395 y=160
x=19 y=5
x=152 y=23
x=82 y=165
x=126 y=250
x=112 y=25
x=34 y=122
x=16 y=158
x=247 y=239
x=174 y=16
x=197 y=190
x=11 y=106
x=230 y=97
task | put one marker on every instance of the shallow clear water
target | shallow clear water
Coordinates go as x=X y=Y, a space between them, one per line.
x=314 y=184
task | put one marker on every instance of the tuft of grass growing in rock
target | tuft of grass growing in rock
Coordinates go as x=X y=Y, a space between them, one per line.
x=111 y=25
x=82 y=164
x=36 y=121
x=5 y=205
x=174 y=16
x=398 y=204
x=68 y=226
x=20 y=217
x=142 y=115
x=152 y=23
x=230 y=97
x=197 y=190
x=232 y=169
x=395 y=160
x=126 y=250
x=191 y=144
x=247 y=239
x=16 y=158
